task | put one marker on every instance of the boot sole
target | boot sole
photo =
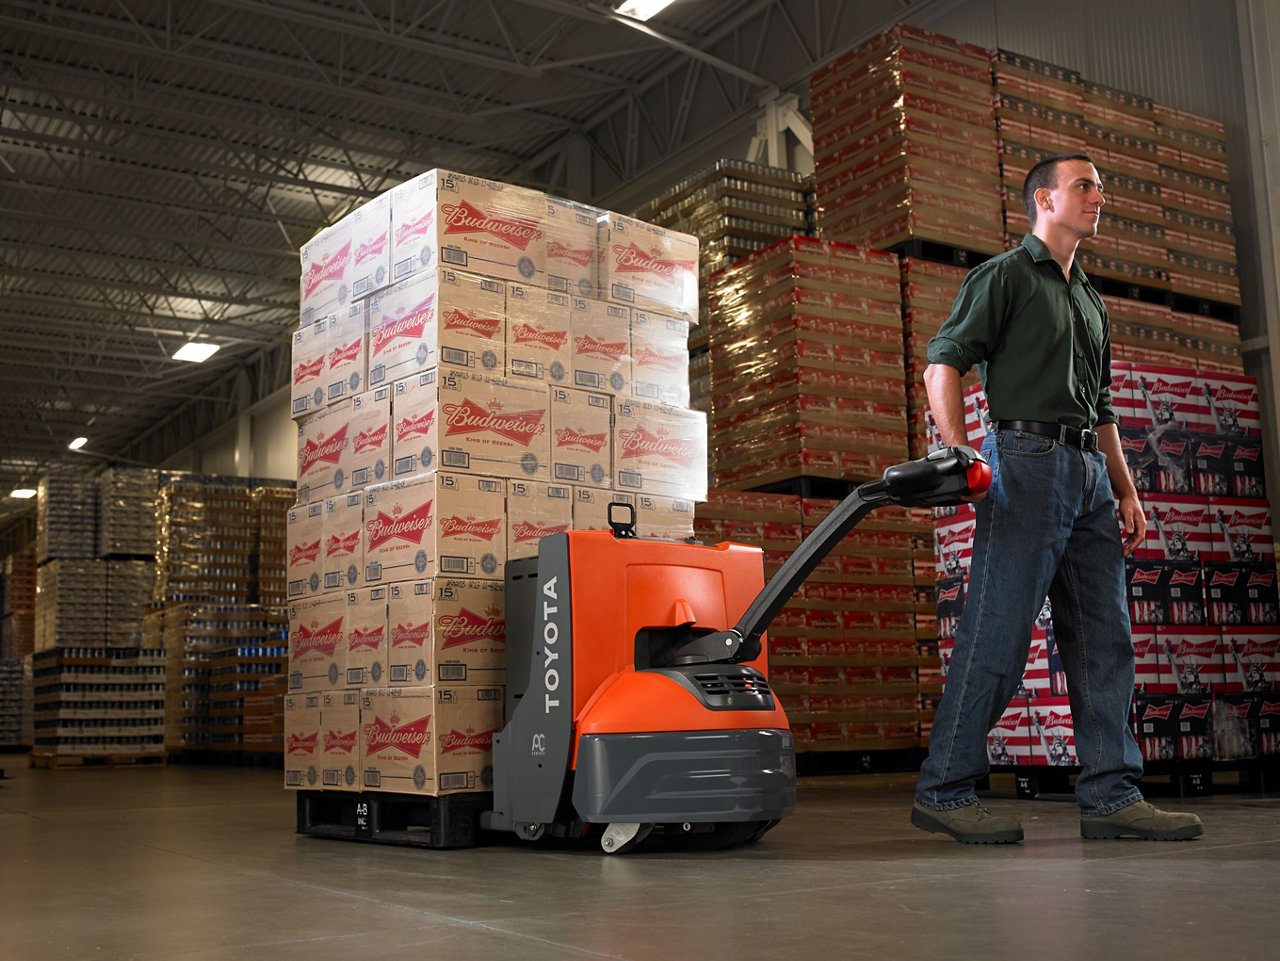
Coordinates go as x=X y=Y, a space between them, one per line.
x=1116 y=832
x=926 y=822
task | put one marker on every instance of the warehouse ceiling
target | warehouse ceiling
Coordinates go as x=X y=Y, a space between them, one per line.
x=162 y=162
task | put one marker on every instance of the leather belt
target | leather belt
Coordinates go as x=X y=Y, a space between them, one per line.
x=1073 y=436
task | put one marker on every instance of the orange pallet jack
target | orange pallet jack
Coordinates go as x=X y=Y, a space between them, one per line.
x=633 y=706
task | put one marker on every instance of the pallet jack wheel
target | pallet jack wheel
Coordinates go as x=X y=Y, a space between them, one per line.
x=621 y=837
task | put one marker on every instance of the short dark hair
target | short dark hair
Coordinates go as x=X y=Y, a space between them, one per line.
x=1045 y=174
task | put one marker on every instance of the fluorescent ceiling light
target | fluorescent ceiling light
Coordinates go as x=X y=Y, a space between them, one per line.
x=22 y=493
x=196 y=353
x=78 y=443
x=643 y=9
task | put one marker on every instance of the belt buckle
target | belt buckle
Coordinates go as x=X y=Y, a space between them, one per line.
x=1088 y=439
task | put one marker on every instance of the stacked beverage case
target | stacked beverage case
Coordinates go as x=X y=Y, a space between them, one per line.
x=477 y=366
x=1201 y=586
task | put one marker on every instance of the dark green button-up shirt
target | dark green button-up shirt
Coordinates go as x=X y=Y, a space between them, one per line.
x=1042 y=344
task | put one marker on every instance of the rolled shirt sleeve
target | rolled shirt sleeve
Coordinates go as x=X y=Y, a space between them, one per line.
x=973 y=329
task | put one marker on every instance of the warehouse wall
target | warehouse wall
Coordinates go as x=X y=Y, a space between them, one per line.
x=260 y=443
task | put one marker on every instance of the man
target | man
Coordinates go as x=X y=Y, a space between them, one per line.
x=1040 y=336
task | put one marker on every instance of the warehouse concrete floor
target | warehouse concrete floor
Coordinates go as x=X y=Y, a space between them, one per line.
x=202 y=864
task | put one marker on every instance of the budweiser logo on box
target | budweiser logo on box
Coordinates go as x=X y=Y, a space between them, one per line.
x=1193 y=657
x=414 y=424
x=1053 y=732
x=326 y=263
x=660 y=450
x=451 y=631
x=647 y=266
x=446 y=317
x=367 y=636
x=340 y=740
x=399 y=530
x=346 y=366
x=601 y=335
x=659 y=358
x=667 y=518
x=591 y=507
x=1009 y=742
x=429 y=740
x=1177 y=528
x=1241 y=530
x=581 y=437
x=368 y=458
x=1232 y=401
x=302 y=744
x=308 y=374
x=324 y=439
x=1150 y=673
x=495 y=427
x=471 y=526
x=342 y=543
x=316 y=643
x=573 y=253
x=1252 y=658
x=467 y=223
x=1168 y=397
x=539 y=346
x=305 y=547
x=953 y=543
x=370 y=246
x=535 y=511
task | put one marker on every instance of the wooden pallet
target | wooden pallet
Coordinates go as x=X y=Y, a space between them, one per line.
x=53 y=762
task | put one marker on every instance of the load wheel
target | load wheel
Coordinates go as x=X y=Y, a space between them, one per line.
x=621 y=837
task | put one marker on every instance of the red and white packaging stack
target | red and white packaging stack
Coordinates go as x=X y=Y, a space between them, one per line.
x=439 y=319
x=905 y=143
x=806 y=340
x=1053 y=736
x=1010 y=742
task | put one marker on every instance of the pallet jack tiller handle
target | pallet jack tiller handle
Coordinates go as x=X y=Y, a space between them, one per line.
x=945 y=477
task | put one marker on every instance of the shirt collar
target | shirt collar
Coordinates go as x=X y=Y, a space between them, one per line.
x=1040 y=252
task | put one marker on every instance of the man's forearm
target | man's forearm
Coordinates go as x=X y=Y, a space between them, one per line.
x=946 y=403
x=1117 y=470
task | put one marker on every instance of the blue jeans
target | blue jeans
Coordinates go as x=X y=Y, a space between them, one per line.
x=1047 y=526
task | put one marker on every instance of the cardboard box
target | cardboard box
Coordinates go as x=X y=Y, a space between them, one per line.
x=573 y=249
x=1241 y=593
x=442 y=220
x=429 y=740
x=1248 y=478
x=535 y=511
x=366 y=636
x=1194 y=658
x=538 y=343
x=324 y=442
x=1165 y=592
x=399 y=530
x=368 y=456
x=343 y=541
x=448 y=318
x=302 y=746
x=1195 y=726
x=323 y=286
x=317 y=628
x=308 y=378
x=370 y=226
x=666 y=518
x=471 y=526
x=1053 y=732
x=601 y=338
x=1150 y=673
x=642 y=265
x=1009 y=742
x=1167 y=396
x=340 y=740
x=1233 y=407
x=953 y=541
x=347 y=363
x=659 y=358
x=1157 y=726
x=305 y=535
x=1178 y=528
x=660 y=450
x=581 y=437
x=446 y=631
x=1252 y=658
x=1241 y=530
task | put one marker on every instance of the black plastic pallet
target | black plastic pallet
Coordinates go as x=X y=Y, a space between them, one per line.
x=452 y=821
x=1181 y=779
x=939 y=253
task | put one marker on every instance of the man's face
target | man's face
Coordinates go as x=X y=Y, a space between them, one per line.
x=1075 y=203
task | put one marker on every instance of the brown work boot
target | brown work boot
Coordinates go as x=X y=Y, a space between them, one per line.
x=971 y=824
x=1142 y=820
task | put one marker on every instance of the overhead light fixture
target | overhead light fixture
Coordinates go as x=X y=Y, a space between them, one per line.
x=22 y=493
x=78 y=443
x=196 y=353
x=643 y=9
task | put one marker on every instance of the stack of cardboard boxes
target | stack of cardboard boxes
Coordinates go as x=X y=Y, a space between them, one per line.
x=1202 y=586
x=503 y=368
x=905 y=144
x=18 y=605
x=806 y=365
